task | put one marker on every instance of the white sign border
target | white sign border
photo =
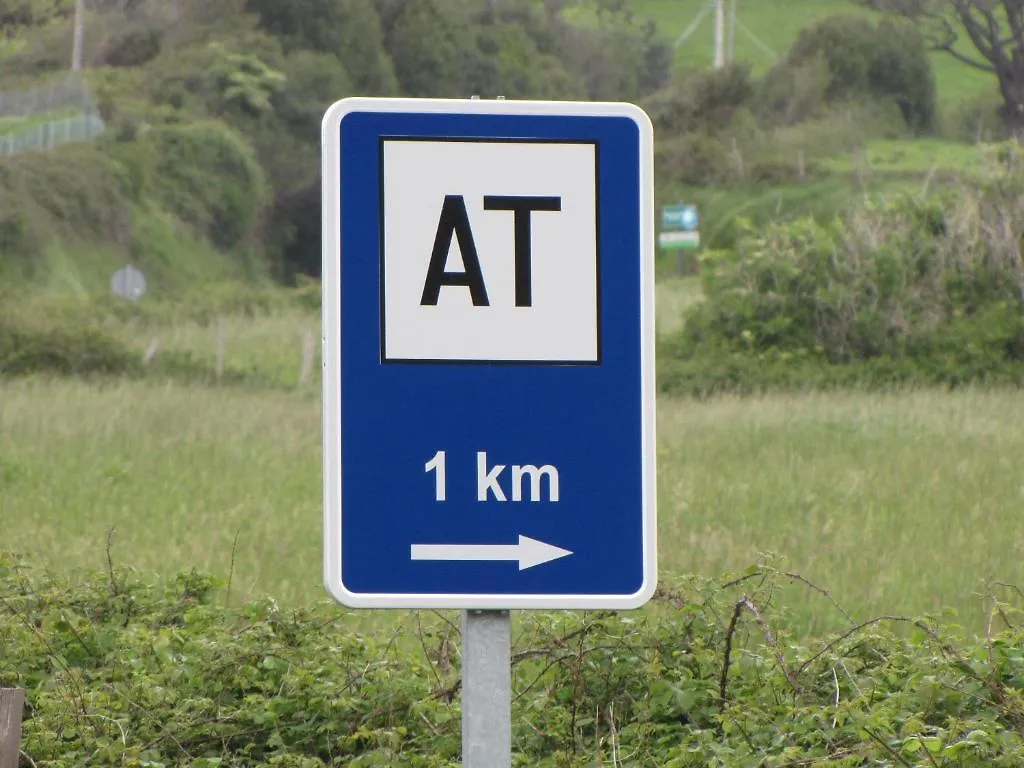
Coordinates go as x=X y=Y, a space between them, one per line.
x=331 y=341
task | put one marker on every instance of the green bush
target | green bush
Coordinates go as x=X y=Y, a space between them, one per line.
x=165 y=201
x=208 y=177
x=694 y=158
x=74 y=191
x=39 y=342
x=121 y=671
x=975 y=120
x=931 y=288
x=61 y=334
x=844 y=58
x=702 y=101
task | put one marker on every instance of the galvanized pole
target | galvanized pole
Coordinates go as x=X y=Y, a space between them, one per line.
x=719 y=60
x=486 y=689
x=77 y=36
x=730 y=47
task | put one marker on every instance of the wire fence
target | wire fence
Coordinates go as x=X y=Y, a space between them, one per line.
x=51 y=134
x=65 y=93
x=69 y=94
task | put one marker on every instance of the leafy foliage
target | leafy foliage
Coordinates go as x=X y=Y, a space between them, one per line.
x=121 y=671
x=923 y=289
x=268 y=69
x=200 y=179
x=15 y=14
x=884 y=61
x=32 y=343
x=67 y=335
x=981 y=34
x=207 y=176
x=78 y=191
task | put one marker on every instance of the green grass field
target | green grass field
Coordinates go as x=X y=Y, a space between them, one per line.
x=767 y=28
x=898 y=504
x=672 y=297
x=896 y=158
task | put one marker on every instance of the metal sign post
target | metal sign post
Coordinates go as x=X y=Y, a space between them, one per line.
x=486 y=689
x=488 y=310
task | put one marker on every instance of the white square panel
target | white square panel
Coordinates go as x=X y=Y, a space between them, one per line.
x=490 y=251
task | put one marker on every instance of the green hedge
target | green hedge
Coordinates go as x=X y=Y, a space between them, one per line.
x=123 y=672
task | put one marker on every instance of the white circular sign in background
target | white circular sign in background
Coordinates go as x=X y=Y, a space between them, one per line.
x=129 y=283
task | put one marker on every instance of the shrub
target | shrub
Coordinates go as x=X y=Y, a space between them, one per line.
x=120 y=670
x=900 y=70
x=694 y=158
x=887 y=61
x=133 y=48
x=74 y=191
x=864 y=286
x=976 y=120
x=700 y=101
x=38 y=342
x=208 y=176
x=933 y=286
x=792 y=92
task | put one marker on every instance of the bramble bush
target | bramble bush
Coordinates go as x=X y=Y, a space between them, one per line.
x=908 y=290
x=121 y=671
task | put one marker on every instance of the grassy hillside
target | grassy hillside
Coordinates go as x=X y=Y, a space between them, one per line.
x=775 y=24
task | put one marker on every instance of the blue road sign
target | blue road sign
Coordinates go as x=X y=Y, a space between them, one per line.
x=488 y=393
x=680 y=216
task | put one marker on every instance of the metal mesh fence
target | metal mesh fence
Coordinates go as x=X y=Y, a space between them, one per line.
x=64 y=95
x=51 y=134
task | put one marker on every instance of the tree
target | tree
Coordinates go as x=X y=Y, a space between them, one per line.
x=881 y=62
x=433 y=49
x=995 y=40
x=349 y=29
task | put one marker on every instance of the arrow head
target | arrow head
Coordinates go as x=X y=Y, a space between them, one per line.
x=533 y=552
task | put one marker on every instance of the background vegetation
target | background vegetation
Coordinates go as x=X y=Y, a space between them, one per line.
x=839 y=417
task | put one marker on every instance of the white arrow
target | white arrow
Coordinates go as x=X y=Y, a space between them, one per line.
x=529 y=552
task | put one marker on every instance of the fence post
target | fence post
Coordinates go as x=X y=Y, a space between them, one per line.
x=151 y=351
x=222 y=342
x=737 y=158
x=308 y=350
x=12 y=706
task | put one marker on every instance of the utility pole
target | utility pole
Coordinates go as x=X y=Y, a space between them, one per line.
x=79 y=34
x=730 y=54
x=719 y=61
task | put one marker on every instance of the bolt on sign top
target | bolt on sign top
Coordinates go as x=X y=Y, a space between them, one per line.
x=488 y=285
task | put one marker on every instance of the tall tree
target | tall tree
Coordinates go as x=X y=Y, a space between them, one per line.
x=994 y=31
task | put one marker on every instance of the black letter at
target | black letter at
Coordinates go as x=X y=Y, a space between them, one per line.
x=522 y=206
x=454 y=221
